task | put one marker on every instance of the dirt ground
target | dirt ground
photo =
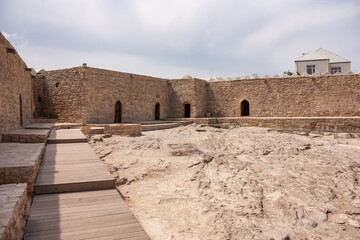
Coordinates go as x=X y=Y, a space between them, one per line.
x=195 y=182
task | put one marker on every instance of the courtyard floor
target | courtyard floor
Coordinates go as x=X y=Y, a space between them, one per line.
x=194 y=182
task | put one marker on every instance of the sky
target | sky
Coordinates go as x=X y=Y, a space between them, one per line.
x=168 y=38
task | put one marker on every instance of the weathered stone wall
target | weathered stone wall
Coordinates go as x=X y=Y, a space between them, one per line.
x=89 y=95
x=62 y=93
x=335 y=95
x=15 y=83
x=138 y=96
x=191 y=91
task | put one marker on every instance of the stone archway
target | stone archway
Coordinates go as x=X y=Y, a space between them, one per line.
x=245 y=108
x=157 y=111
x=187 y=110
x=118 y=112
x=21 y=110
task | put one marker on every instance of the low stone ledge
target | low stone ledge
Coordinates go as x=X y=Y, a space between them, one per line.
x=26 y=136
x=123 y=129
x=19 y=163
x=13 y=199
x=325 y=124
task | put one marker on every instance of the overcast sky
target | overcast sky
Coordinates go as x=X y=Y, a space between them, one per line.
x=166 y=38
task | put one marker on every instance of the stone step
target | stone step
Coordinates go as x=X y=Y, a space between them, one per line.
x=19 y=163
x=53 y=125
x=13 y=199
x=167 y=125
x=44 y=120
x=97 y=130
x=26 y=136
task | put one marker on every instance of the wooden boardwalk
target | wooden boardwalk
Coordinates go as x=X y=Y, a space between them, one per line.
x=72 y=167
x=82 y=215
x=66 y=136
x=77 y=197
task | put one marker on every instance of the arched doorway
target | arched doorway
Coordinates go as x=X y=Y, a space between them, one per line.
x=245 y=108
x=21 y=113
x=118 y=117
x=157 y=111
x=187 y=110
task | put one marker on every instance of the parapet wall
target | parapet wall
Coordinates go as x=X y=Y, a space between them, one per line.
x=307 y=96
x=16 y=92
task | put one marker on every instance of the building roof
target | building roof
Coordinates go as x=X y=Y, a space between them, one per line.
x=322 y=54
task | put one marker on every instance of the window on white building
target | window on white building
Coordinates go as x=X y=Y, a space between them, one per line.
x=333 y=70
x=310 y=69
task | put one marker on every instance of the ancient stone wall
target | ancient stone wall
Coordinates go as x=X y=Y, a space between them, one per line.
x=190 y=91
x=137 y=96
x=62 y=93
x=16 y=92
x=335 y=95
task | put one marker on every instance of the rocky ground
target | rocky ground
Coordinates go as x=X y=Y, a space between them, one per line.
x=195 y=182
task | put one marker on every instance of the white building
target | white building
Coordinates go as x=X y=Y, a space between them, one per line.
x=322 y=61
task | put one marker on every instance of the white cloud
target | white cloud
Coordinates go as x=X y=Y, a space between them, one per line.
x=10 y=36
x=171 y=38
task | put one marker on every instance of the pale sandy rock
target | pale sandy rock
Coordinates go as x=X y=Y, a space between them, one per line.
x=356 y=202
x=246 y=183
x=354 y=223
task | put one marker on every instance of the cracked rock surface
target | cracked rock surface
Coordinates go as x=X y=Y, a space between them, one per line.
x=195 y=182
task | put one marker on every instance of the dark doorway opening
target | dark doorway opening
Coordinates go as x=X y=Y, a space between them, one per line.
x=21 y=113
x=157 y=111
x=245 y=108
x=187 y=110
x=118 y=117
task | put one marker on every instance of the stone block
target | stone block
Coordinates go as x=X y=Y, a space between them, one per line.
x=123 y=129
x=13 y=198
x=19 y=163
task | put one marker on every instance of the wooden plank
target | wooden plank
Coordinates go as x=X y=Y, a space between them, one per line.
x=72 y=195
x=79 y=214
x=72 y=167
x=66 y=136
x=82 y=215
x=72 y=187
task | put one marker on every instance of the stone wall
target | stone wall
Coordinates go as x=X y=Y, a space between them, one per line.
x=15 y=82
x=137 y=94
x=335 y=95
x=191 y=91
x=62 y=94
x=89 y=95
